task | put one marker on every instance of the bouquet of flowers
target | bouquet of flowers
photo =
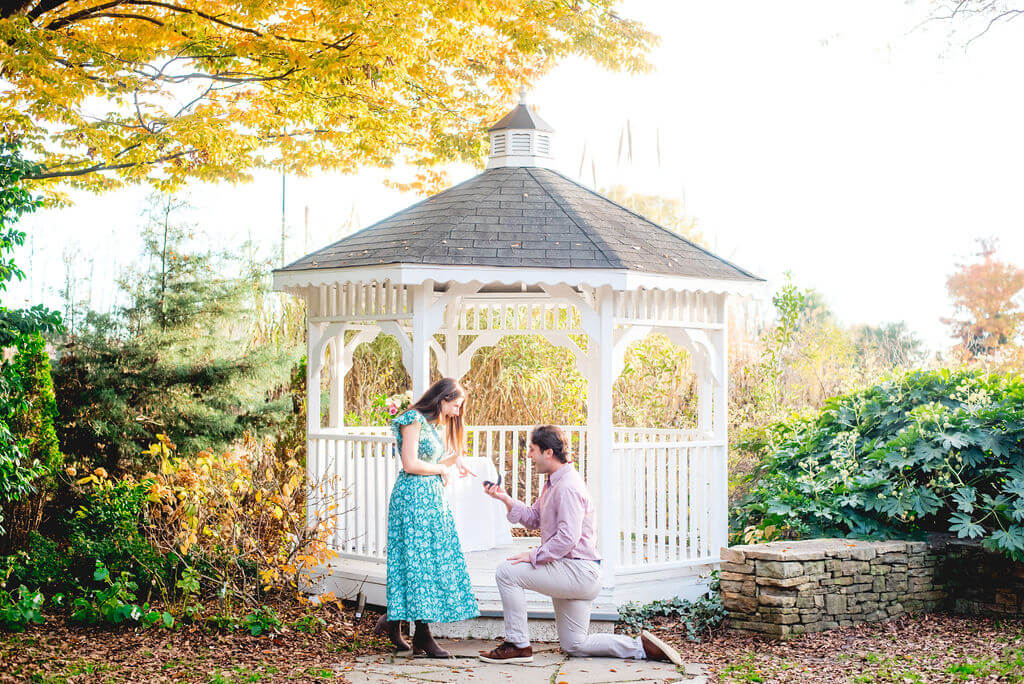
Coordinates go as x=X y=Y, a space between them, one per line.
x=397 y=403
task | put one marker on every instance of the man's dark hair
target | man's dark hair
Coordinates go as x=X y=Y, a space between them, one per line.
x=550 y=437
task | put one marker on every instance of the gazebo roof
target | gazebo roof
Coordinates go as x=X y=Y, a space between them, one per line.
x=522 y=217
x=521 y=118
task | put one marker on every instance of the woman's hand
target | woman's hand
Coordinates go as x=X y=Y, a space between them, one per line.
x=462 y=469
x=445 y=475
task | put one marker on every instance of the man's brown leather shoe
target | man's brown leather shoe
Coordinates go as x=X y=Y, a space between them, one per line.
x=508 y=653
x=656 y=649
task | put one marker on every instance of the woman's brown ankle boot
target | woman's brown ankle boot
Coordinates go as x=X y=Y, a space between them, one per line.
x=423 y=643
x=393 y=630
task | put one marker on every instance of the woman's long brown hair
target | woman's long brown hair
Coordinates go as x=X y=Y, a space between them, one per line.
x=445 y=389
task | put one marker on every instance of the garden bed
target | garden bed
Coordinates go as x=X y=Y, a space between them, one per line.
x=928 y=648
x=303 y=650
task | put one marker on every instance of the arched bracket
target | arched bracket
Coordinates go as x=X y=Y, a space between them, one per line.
x=365 y=335
x=440 y=356
x=484 y=339
x=583 y=360
x=318 y=346
x=700 y=344
x=623 y=338
x=398 y=332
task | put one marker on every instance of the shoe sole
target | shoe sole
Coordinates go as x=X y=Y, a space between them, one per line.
x=670 y=653
x=499 y=661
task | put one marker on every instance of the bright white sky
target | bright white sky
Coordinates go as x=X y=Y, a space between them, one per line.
x=830 y=139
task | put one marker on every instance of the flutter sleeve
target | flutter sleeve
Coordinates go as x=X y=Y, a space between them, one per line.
x=407 y=418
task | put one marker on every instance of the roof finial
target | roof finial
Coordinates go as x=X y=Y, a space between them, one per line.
x=522 y=94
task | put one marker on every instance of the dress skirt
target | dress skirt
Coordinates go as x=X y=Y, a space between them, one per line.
x=427 y=576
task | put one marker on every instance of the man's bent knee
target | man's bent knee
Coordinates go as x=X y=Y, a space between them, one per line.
x=572 y=644
x=505 y=574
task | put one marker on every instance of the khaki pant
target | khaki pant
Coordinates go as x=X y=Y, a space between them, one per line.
x=572 y=586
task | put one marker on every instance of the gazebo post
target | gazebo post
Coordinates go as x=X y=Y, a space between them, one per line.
x=705 y=390
x=421 y=338
x=720 y=424
x=451 y=340
x=314 y=360
x=599 y=434
x=336 y=410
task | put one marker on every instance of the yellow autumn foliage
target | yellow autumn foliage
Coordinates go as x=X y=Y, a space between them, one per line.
x=243 y=508
x=108 y=92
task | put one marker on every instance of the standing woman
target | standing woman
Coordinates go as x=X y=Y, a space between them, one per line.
x=427 y=577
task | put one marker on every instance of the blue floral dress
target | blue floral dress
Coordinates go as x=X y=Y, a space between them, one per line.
x=427 y=577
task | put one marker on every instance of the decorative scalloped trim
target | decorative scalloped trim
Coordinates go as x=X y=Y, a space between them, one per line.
x=290 y=281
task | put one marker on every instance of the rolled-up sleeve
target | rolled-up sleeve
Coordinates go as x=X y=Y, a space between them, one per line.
x=527 y=516
x=568 y=529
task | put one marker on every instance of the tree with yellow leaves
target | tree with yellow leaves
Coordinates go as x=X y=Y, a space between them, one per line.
x=108 y=92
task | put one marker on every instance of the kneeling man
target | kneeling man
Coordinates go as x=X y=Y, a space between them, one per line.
x=565 y=566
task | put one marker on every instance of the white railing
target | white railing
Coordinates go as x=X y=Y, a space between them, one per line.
x=507 y=447
x=670 y=491
x=351 y=476
x=353 y=469
x=669 y=481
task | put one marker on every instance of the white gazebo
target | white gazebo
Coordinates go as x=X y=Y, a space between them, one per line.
x=522 y=250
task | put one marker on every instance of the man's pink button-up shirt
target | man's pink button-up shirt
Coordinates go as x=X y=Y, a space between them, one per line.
x=564 y=514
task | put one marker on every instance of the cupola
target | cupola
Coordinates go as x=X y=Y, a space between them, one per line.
x=520 y=138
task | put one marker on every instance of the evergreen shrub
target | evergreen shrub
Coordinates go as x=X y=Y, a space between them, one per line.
x=29 y=412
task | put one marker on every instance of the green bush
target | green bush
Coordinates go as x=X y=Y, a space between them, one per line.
x=263 y=620
x=19 y=467
x=41 y=565
x=115 y=604
x=18 y=610
x=923 y=452
x=106 y=528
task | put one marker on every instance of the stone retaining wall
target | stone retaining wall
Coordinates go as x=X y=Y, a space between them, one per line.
x=784 y=588
x=980 y=582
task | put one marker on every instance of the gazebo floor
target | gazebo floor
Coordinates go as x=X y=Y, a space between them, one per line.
x=347 y=577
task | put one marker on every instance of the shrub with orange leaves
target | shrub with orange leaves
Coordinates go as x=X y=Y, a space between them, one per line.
x=238 y=518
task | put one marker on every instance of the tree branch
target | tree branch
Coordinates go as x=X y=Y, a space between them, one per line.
x=86 y=13
x=45 y=175
x=91 y=12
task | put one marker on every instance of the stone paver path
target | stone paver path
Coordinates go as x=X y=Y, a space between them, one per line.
x=550 y=666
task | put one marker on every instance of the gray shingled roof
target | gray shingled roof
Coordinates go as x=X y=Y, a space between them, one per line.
x=522 y=117
x=522 y=217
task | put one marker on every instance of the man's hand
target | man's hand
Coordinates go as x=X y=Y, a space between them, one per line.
x=523 y=557
x=496 y=492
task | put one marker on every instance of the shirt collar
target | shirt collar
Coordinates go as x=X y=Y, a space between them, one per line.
x=562 y=472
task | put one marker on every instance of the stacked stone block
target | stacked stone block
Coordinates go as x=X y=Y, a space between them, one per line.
x=784 y=588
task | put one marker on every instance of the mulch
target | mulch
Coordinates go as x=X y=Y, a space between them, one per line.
x=926 y=648
x=930 y=647
x=62 y=651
